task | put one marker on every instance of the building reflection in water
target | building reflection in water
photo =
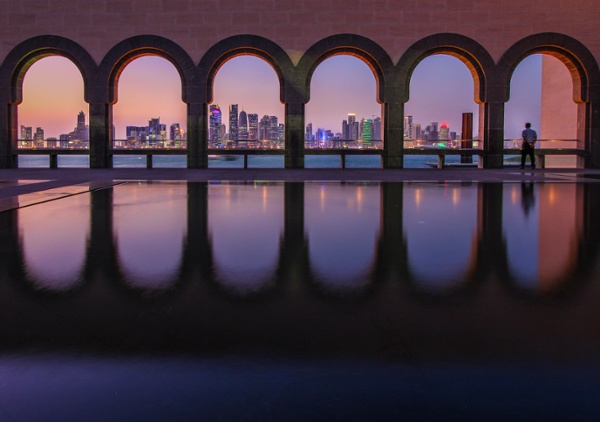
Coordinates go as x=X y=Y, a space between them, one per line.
x=320 y=268
x=342 y=238
x=245 y=228
x=54 y=241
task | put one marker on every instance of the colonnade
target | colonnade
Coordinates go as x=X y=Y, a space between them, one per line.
x=491 y=82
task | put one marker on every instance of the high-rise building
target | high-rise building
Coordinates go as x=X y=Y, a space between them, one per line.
x=274 y=129
x=175 y=132
x=377 y=129
x=308 y=135
x=156 y=130
x=444 y=132
x=366 y=130
x=253 y=127
x=264 y=130
x=214 y=131
x=433 y=131
x=233 y=122
x=39 y=134
x=281 y=132
x=81 y=131
x=353 y=127
x=243 y=126
x=26 y=133
x=408 y=127
x=417 y=131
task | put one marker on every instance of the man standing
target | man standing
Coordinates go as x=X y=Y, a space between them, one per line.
x=527 y=147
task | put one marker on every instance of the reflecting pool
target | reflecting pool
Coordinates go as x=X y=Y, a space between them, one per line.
x=258 y=301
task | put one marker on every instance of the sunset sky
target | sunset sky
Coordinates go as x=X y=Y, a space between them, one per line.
x=441 y=90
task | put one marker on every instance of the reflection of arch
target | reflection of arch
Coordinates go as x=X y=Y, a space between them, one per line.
x=239 y=45
x=346 y=44
x=24 y=55
x=130 y=49
x=470 y=52
x=578 y=59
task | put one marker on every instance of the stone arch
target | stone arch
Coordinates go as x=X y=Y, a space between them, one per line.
x=25 y=54
x=579 y=61
x=358 y=46
x=470 y=52
x=240 y=45
x=132 y=48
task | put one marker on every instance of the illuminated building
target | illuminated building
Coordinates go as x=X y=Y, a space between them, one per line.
x=233 y=122
x=274 y=128
x=264 y=130
x=214 y=131
x=308 y=135
x=444 y=132
x=26 y=133
x=253 y=127
x=408 y=128
x=243 y=126
x=39 y=134
x=366 y=132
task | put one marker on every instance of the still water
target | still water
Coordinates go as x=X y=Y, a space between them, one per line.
x=259 y=301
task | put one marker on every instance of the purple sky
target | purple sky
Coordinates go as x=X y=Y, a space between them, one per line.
x=441 y=90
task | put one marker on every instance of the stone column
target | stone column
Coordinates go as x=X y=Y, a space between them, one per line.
x=293 y=258
x=197 y=135
x=101 y=133
x=294 y=135
x=393 y=135
x=8 y=136
x=491 y=132
x=588 y=134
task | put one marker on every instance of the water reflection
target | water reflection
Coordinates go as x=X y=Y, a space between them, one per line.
x=440 y=225
x=246 y=224
x=54 y=241
x=248 y=238
x=342 y=224
x=149 y=231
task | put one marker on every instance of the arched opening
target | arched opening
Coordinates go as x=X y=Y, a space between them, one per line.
x=53 y=114
x=343 y=112
x=441 y=93
x=150 y=113
x=246 y=114
x=541 y=92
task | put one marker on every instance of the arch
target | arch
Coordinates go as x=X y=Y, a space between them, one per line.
x=579 y=61
x=470 y=52
x=126 y=51
x=24 y=55
x=358 y=46
x=245 y=44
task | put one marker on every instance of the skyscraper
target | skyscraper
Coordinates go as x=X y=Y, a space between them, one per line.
x=214 y=131
x=175 y=132
x=253 y=127
x=274 y=129
x=26 y=133
x=233 y=122
x=243 y=126
x=377 y=129
x=264 y=130
x=366 y=130
x=353 y=127
x=308 y=136
x=444 y=132
x=408 y=127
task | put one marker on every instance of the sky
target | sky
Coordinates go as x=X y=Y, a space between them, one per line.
x=441 y=89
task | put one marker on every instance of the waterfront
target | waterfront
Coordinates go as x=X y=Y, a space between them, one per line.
x=254 y=161
x=437 y=299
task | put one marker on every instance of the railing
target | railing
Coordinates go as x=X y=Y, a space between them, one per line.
x=440 y=153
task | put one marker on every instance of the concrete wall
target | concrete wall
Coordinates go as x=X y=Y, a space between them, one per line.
x=296 y=24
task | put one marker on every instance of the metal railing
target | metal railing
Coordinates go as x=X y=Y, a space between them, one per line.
x=565 y=147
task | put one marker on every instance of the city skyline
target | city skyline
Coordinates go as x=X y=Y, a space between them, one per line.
x=434 y=95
